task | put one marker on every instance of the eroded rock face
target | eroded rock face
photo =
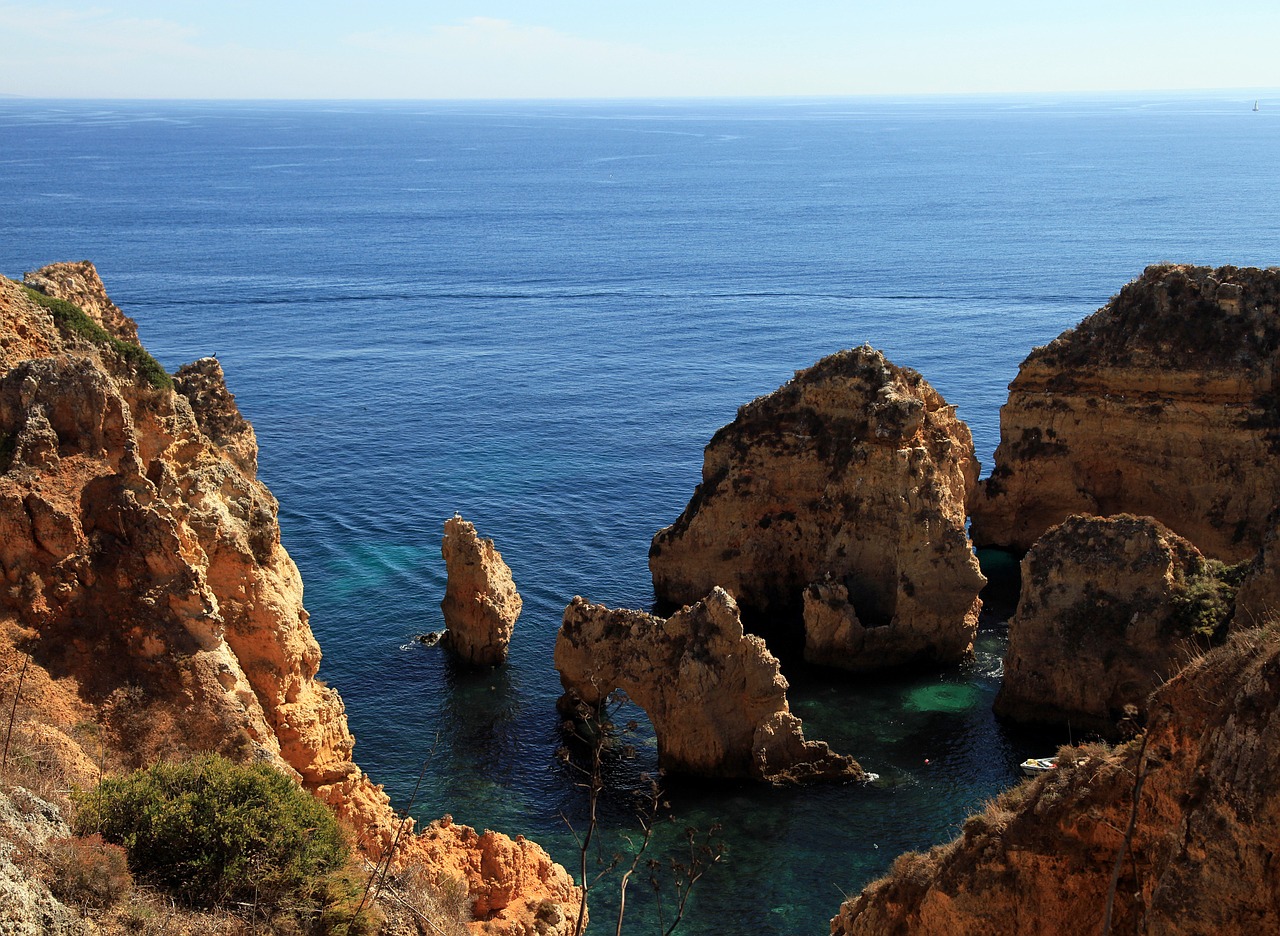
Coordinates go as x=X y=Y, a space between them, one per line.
x=205 y=387
x=1163 y=403
x=1110 y=608
x=852 y=476
x=142 y=569
x=79 y=283
x=716 y=697
x=515 y=888
x=1039 y=859
x=481 y=603
x=1258 y=599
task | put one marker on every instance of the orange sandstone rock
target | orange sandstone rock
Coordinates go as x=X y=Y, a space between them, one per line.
x=1110 y=608
x=1039 y=859
x=849 y=481
x=1162 y=403
x=515 y=888
x=1258 y=600
x=716 y=697
x=481 y=603
x=141 y=567
x=78 y=283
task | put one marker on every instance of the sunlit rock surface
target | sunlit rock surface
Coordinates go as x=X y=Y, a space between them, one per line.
x=851 y=478
x=1163 y=403
x=715 y=696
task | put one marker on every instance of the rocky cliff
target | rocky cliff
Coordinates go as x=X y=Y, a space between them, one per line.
x=715 y=696
x=481 y=604
x=143 y=568
x=1110 y=608
x=1185 y=819
x=1163 y=403
x=851 y=478
x=1258 y=598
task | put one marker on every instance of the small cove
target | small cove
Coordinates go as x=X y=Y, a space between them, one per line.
x=461 y=307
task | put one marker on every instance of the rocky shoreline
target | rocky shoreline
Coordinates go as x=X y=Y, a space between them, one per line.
x=147 y=587
x=1136 y=474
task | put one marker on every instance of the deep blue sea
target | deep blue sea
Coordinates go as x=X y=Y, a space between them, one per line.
x=537 y=314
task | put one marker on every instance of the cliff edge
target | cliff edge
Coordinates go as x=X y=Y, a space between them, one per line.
x=144 y=576
x=1163 y=403
x=1184 y=820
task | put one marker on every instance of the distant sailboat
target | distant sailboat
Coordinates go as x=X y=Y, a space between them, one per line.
x=1255 y=106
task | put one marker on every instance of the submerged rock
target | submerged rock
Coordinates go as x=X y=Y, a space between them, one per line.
x=481 y=603
x=1163 y=403
x=716 y=697
x=1110 y=608
x=842 y=492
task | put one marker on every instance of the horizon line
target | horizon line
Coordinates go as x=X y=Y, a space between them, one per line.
x=896 y=95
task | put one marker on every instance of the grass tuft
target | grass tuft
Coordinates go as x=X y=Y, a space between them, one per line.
x=73 y=320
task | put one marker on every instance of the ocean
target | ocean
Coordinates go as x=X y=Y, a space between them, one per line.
x=537 y=314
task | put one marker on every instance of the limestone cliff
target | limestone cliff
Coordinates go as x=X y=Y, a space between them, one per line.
x=1187 y=818
x=1109 y=609
x=481 y=603
x=1163 y=403
x=142 y=564
x=716 y=697
x=851 y=478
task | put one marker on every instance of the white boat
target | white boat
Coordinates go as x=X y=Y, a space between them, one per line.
x=1255 y=105
x=1034 y=766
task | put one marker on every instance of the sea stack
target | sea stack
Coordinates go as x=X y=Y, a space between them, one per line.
x=1163 y=403
x=481 y=603
x=716 y=697
x=848 y=483
x=1110 y=609
x=150 y=601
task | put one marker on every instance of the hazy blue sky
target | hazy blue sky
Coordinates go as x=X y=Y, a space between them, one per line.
x=595 y=48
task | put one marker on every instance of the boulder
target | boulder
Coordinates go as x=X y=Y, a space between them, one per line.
x=850 y=482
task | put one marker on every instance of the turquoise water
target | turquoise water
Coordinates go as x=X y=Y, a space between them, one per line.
x=538 y=314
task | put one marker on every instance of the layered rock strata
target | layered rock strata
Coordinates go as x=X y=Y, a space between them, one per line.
x=715 y=696
x=1187 y=818
x=481 y=603
x=1163 y=403
x=1109 y=609
x=144 y=575
x=852 y=479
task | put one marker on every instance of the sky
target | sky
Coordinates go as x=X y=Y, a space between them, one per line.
x=398 y=49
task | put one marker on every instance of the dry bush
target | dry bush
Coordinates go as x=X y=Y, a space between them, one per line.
x=913 y=870
x=87 y=872
x=417 y=903
x=147 y=912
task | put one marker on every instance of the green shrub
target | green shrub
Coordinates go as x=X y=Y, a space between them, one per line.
x=213 y=832
x=71 y=319
x=1203 y=601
